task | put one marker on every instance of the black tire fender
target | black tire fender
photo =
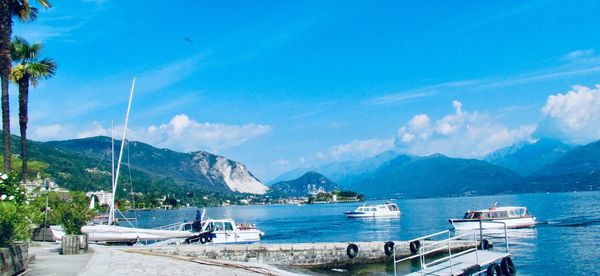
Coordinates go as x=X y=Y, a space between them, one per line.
x=508 y=267
x=202 y=239
x=485 y=245
x=352 y=250
x=493 y=270
x=209 y=237
x=388 y=248
x=414 y=246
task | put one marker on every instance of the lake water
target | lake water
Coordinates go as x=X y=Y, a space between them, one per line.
x=566 y=242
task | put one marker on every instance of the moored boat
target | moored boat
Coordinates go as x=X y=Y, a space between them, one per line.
x=382 y=210
x=226 y=231
x=512 y=216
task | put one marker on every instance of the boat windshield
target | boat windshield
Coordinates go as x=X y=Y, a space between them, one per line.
x=228 y=226
x=496 y=214
x=393 y=207
x=468 y=215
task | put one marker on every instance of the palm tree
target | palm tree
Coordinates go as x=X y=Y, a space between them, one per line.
x=28 y=69
x=21 y=10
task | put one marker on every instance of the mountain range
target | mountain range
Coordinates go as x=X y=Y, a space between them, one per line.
x=541 y=166
x=84 y=164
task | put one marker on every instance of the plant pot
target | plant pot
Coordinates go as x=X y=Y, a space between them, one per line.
x=13 y=259
x=74 y=244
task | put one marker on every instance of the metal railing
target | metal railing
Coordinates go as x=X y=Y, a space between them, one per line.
x=439 y=245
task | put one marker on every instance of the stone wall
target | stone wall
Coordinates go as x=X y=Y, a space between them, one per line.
x=13 y=260
x=322 y=255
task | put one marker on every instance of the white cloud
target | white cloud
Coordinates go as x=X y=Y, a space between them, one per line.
x=461 y=134
x=49 y=132
x=359 y=149
x=183 y=133
x=281 y=162
x=180 y=133
x=578 y=54
x=416 y=93
x=95 y=129
x=573 y=116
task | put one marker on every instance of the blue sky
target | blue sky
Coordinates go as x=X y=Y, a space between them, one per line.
x=282 y=84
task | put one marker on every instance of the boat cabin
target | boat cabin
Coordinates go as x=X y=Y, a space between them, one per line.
x=497 y=213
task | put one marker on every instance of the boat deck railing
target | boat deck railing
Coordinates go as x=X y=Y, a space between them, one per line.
x=172 y=226
x=434 y=246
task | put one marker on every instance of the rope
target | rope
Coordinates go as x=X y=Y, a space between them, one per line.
x=131 y=187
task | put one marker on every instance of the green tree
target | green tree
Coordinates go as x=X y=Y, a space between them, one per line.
x=22 y=11
x=28 y=69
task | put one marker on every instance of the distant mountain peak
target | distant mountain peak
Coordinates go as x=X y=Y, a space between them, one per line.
x=527 y=157
x=309 y=183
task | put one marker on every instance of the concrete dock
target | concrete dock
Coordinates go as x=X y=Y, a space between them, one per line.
x=114 y=260
x=306 y=255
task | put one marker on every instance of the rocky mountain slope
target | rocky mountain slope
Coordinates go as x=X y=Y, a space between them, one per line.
x=200 y=169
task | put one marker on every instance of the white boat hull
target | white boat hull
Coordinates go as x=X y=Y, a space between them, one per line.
x=462 y=225
x=372 y=215
x=110 y=233
x=236 y=236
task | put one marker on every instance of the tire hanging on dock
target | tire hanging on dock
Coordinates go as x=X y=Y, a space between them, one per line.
x=508 y=267
x=352 y=250
x=414 y=246
x=493 y=270
x=388 y=248
x=485 y=245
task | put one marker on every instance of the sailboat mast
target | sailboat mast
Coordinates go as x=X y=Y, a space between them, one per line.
x=116 y=178
x=112 y=171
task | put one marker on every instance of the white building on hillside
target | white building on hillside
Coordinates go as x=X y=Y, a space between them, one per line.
x=104 y=198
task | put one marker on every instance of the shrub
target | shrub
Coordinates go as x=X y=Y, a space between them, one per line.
x=73 y=212
x=15 y=213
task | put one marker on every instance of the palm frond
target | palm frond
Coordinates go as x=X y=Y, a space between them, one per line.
x=21 y=51
x=43 y=69
x=45 y=3
x=24 y=12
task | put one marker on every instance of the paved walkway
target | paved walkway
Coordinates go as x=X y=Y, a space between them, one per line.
x=104 y=261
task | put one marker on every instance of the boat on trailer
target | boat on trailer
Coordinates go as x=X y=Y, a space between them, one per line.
x=368 y=211
x=512 y=216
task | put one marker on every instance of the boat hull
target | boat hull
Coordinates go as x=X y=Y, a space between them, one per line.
x=372 y=214
x=236 y=237
x=110 y=233
x=465 y=224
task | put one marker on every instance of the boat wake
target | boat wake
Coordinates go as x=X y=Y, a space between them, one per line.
x=579 y=221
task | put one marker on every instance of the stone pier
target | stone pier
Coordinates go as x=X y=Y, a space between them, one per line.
x=309 y=255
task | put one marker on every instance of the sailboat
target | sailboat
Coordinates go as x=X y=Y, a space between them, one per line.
x=112 y=233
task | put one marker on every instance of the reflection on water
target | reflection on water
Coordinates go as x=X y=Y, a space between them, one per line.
x=566 y=241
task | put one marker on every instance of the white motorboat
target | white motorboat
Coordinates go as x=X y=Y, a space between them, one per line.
x=382 y=210
x=512 y=216
x=225 y=231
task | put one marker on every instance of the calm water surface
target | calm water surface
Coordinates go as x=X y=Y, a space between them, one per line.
x=566 y=242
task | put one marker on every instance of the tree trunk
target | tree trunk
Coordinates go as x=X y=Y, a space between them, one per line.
x=23 y=97
x=5 y=33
